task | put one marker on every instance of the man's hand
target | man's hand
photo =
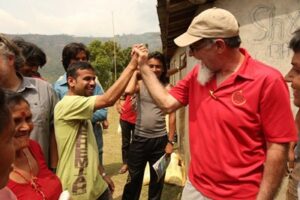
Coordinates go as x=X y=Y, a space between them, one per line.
x=141 y=52
x=106 y=178
x=110 y=183
x=169 y=149
x=105 y=124
x=119 y=106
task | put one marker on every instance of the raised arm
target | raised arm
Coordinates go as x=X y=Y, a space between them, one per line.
x=172 y=130
x=101 y=114
x=116 y=90
x=132 y=86
x=158 y=92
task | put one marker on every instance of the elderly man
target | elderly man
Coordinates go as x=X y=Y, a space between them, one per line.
x=240 y=119
x=40 y=95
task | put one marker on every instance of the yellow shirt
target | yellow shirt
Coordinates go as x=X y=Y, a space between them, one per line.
x=77 y=148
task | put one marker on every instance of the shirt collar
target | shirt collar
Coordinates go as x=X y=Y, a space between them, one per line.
x=246 y=71
x=63 y=80
x=26 y=83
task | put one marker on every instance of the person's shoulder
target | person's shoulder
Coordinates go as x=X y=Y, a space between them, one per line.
x=34 y=145
x=61 y=80
x=263 y=69
x=38 y=82
x=73 y=99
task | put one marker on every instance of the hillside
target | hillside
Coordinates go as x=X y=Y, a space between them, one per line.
x=53 y=45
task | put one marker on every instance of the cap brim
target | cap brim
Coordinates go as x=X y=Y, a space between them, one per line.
x=186 y=39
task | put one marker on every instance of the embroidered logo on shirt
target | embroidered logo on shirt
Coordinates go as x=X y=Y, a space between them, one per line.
x=238 y=98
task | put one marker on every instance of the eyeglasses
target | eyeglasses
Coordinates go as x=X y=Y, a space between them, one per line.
x=201 y=44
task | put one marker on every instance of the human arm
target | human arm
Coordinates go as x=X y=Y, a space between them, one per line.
x=53 y=150
x=115 y=91
x=105 y=124
x=274 y=169
x=101 y=114
x=291 y=155
x=119 y=105
x=106 y=178
x=157 y=91
x=133 y=85
x=172 y=130
x=292 y=145
x=52 y=140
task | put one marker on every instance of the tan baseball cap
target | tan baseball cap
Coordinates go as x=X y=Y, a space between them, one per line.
x=211 y=23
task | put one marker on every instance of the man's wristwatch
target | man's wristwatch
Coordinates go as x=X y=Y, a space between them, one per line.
x=171 y=142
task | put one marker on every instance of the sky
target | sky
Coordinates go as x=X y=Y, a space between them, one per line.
x=78 y=17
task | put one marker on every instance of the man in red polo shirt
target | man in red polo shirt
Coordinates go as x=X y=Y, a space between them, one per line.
x=240 y=119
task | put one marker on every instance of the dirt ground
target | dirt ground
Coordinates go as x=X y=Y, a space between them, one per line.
x=113 y=161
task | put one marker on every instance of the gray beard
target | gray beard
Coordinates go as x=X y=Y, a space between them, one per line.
x=204 y=74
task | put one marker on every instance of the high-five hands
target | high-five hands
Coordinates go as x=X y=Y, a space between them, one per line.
x=140 y=51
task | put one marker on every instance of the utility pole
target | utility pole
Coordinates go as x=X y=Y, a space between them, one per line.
x=114 y=40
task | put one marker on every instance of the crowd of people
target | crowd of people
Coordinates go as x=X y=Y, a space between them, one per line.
x=242 y=133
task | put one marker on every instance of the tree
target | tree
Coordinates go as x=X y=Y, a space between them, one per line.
x=102 y=59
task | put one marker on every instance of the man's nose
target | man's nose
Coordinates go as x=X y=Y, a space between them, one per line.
x=289 y=76
x=93 y=82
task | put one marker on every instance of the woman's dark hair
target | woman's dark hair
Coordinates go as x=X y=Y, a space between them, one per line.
x=13 y=99
x=70 y=51
x=159 y=56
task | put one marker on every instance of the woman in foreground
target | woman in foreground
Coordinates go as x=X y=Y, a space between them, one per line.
x=30 y=177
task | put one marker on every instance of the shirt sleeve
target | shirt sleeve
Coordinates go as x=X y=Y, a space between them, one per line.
x=275 y=111
x=182 y=88
x=101 y=114
x=75 y=108
x=53 y=101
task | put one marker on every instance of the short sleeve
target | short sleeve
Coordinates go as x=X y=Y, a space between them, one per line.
x=276 y=115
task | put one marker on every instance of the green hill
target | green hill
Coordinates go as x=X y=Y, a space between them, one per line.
x=53 y=45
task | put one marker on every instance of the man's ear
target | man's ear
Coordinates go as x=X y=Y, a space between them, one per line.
x=71 y=81
x=11 y=60
x=220 y=44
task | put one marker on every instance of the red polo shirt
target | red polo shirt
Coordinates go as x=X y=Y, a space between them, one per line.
x=229 y=126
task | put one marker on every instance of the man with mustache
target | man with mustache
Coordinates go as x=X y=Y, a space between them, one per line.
x=240 y=120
